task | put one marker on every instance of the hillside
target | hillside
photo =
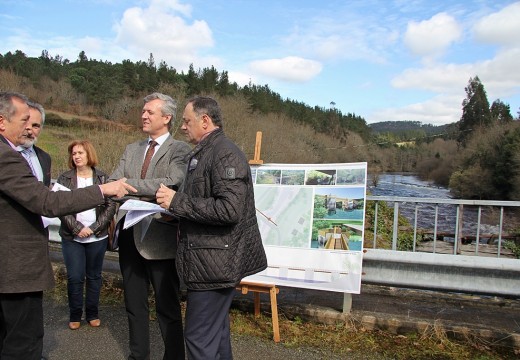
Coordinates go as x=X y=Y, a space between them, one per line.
x=412 y=130
x=403 y=126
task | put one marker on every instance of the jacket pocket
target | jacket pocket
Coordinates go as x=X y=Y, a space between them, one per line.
x=209 y=259
x=26 y=259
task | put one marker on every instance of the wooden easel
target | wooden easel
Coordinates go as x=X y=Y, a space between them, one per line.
x=272 y=290
x=258 y=147
x=255 y=287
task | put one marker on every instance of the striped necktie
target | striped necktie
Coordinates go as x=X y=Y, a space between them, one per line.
x=27 y=155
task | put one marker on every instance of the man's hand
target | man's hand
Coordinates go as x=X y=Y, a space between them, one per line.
x=164 y=196
x=117 y=188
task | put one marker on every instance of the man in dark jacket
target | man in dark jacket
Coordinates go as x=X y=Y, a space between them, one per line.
x=219 y=240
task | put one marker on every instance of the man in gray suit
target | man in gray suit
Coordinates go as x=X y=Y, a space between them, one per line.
x=147 y=250
x=25 y=267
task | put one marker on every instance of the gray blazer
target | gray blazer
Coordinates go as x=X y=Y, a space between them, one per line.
x=24 y=253
x=154 y=237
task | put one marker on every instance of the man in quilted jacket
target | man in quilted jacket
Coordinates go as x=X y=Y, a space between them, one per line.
x=219 y=240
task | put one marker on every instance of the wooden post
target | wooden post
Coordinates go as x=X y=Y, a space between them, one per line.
x=258 y=147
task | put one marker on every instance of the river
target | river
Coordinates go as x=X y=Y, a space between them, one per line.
x=409 y=185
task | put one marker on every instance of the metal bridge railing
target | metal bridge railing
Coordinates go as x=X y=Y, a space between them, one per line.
x=459 y=222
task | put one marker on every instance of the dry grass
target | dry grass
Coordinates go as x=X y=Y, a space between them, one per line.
x=283 y=140
x=348 y=338
x=340 y=339
x=109 y=141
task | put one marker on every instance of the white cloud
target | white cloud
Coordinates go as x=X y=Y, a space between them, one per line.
x=502 y=27
x=355 y=38
x=291 y=68
x=431 y=37
x=440 y=78
x=242 y=79
x=500 y=76
x=91 y=44
x=441 y=109
x=161 y=30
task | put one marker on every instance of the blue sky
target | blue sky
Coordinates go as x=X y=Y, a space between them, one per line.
x=380 y=59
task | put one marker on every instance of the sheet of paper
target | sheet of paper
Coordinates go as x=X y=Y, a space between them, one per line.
x=134 y=216
x=46 y=220
x=59 y=187
x=139 y=205
x=137 y=210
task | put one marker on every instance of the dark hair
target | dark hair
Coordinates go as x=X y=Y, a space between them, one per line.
x=209 y=106
x=7 y=108
x=92 y=158
x=168 y=107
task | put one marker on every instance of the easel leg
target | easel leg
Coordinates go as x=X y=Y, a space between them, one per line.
x=257 y=304
x=274 y=314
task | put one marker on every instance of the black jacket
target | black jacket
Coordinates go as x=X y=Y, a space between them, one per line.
x=219 y=241
x=70 y=227
x=45 y=162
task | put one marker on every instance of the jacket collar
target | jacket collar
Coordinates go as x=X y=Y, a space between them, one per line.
x=209 y=139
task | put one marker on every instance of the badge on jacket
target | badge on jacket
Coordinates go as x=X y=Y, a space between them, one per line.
x=193 y=164
x=230 y=173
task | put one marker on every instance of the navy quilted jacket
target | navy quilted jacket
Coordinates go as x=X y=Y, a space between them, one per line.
x=219 y=241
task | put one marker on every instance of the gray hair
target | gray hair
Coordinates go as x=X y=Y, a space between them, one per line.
x=39 y=108
x=7 y=108
x=169 y=106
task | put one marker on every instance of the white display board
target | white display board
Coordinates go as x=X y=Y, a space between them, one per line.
x=311 y=218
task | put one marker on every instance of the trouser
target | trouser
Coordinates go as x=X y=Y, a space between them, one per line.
x=138 y=273
x=21 y=326
x=207 y=331
x=84 y=261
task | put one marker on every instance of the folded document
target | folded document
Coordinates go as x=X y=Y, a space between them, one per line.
x=137 y=210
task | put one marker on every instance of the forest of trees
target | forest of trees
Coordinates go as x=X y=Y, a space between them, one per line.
x=477 y=157
x=488 y=163
x=100 y=83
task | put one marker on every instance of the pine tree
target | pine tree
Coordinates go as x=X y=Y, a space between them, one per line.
x=501 y=112
x=475 y=110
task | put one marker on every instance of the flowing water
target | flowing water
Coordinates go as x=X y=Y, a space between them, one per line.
x=409 y=185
